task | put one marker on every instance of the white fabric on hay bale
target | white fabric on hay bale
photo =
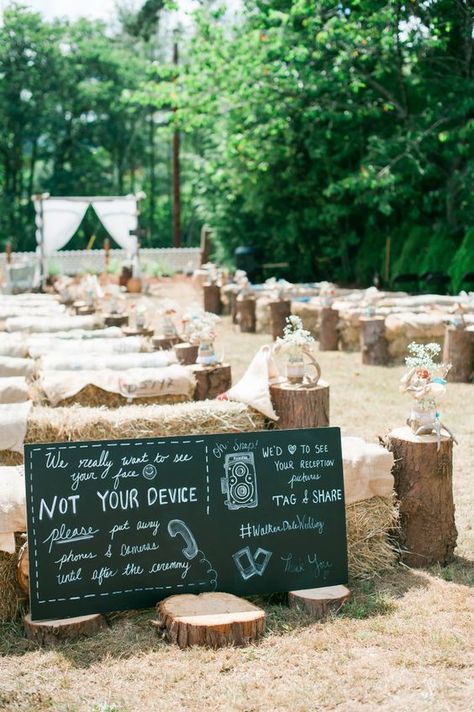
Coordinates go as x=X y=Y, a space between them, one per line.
x=110 y=332
x=349 y=327
x=13 y=424
x=16 y=367
x=12 y=506
x=403 y=328
x=309 y=313
x=51 y=324
x=13 y=390
x=124 y=345
x=131 y=383
x=13 y=345
x=16 y=310
x=263 y=314
x=102 y=362
x=367 y=470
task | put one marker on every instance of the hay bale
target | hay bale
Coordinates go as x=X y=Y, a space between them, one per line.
x=11 y=599
x=9 y=457
x=93 y=397
x=371 y=548
x=310 y=315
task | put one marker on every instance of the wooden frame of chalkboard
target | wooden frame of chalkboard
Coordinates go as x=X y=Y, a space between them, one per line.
x=115 y=524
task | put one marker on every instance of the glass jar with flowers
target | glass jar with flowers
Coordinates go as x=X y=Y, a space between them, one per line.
x=297 y=344
x=202 y=333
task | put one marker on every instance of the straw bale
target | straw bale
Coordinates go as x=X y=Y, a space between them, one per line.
x=371 y=525
x=94 y=397
x=310 y=315
x=11 y=599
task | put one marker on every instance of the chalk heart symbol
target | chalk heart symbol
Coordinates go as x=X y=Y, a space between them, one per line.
x=292 y=449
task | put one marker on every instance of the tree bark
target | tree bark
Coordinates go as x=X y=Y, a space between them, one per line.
x=64 y=629
x=246 y=315
x=301 y=407
x=328 y=333
x=116 y=320
x=210 y=619
x=279 y=311
x=319 y=602
x=373 y=343
x=424 y=485
x=211 y=381
x=459 y=352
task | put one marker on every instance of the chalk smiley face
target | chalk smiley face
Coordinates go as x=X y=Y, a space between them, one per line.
x=292 y=449
x=149 y=471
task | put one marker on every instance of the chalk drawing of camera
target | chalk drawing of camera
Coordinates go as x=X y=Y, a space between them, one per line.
x=240 y=481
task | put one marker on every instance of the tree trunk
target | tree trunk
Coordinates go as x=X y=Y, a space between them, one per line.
x=279 y=311
x=373 y=343
x=212 y=298
x=459 y=352
x=246 y=315
x=186 y=353
x=64 y=629
x=210 y=619
x=211 y=381
x=319 y=602
x=301 y=407
x=165 y=343
x=424 y=485
x=328 y=333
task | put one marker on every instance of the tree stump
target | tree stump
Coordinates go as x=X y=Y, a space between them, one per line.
x=116 y=320
x=319 y=602
x=233 y=305
x=247 y=315
x=301 y=406
x=279 y=311
x=424 y=485
x=186 y=353
x=63 y=629
x=328 y=332
x=459 y=351
x=145 y=332
x=210 y=619
x=211 y=381
x=374 y=345
x=23 y=571
x=212 y=298
x=165 y=343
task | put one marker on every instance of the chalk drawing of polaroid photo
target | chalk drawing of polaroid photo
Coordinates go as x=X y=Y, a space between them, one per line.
x=240 y=481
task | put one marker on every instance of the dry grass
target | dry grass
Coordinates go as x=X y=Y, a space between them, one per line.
x=404 y=641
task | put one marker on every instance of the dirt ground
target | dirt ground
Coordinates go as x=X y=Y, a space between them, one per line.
x=404 y=642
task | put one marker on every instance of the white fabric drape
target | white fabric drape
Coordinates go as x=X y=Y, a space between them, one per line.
x=119 y=217
x=61 y=218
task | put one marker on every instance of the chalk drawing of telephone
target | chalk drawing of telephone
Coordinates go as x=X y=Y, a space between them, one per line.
x=177 y=526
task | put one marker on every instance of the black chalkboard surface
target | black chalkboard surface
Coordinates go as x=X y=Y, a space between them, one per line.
x=120 y=524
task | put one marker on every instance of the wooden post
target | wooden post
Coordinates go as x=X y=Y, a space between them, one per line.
x=106 y=254
x=64 y=629
x=212 y=298
x=211 y=619
x=328 y=332
x=211 y=381
x=319 y=602
x=186 y=353
x=301 y=406
x=424 y=485
x=233 y=304
x=247 y=315
x=279 y=311
x=374 y=345
x=8 y=252
x=459 y=352
x=206 y=245
x=165 y=343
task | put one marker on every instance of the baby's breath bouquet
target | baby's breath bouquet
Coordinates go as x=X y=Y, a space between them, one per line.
x=296 y=343
x=201 y=331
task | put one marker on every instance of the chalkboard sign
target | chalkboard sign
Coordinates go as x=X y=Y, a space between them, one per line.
x=120 y=524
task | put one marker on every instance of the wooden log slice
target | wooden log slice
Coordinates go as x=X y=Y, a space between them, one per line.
x=211 y=381
x=301 y=407
x=64 y=629
x=374 y=345
x=459 y=352
x=23 y=571
x=328 y=331
x=424 y=485
x=116 y=320
x=247 y=315
x=129 y=331
x=280 y=311
x=319 y=602
x=186 y=353
x=165 y=343
x=210 y=619
x=212 y=298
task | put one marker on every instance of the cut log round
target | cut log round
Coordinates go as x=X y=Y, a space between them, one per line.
x=373 y=344
x=328 y=332
x=211 y=381
x=212 y=298
x=319 y=602
x=165 y=343
x=22 y=570
x=247 y=315
x=280 y=311
x=459 y=352
x=64 y=629
x=301 y=407
x=186 y=353
x=424 y=485
x=211 y=619
x=129 y=331
x=116 y=320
